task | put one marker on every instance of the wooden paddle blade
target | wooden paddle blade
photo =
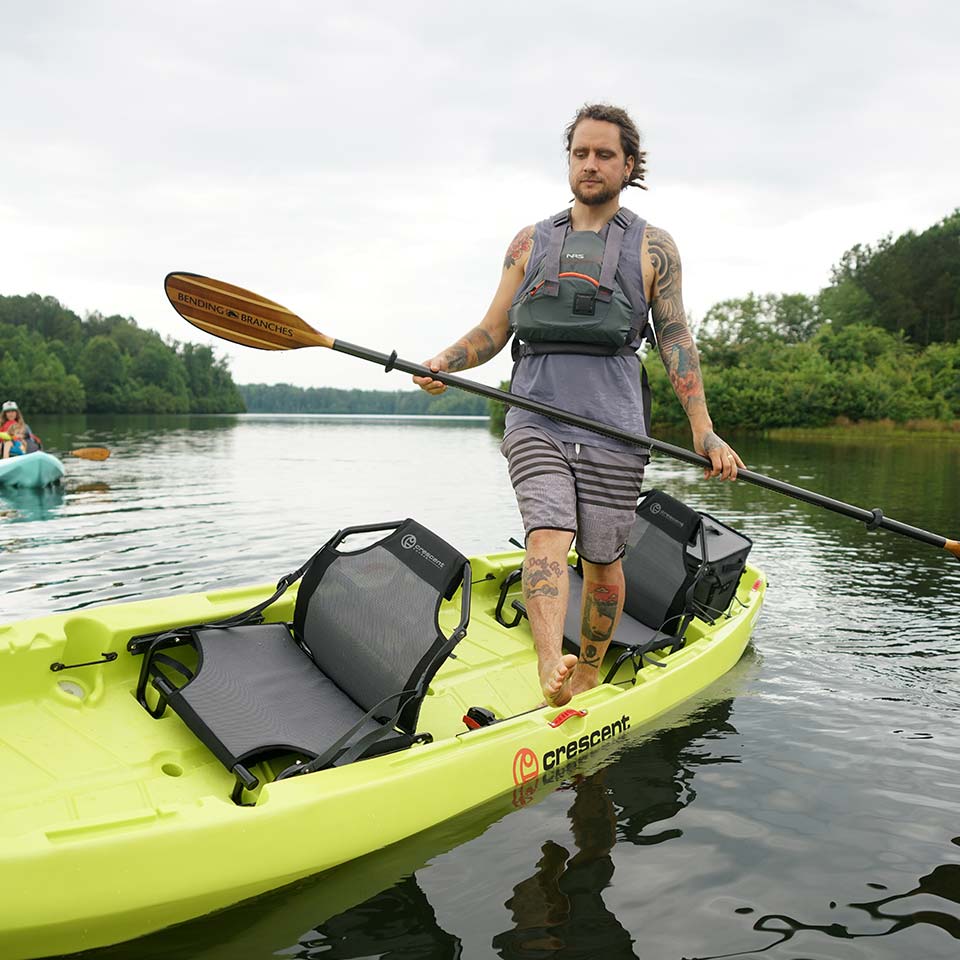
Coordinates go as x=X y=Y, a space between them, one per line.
x=90 y=453
x=953 y=546
x=238 y=315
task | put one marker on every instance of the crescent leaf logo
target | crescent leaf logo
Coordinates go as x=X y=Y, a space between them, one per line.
x=526 y=766
x=655 y=509
x=408 y=542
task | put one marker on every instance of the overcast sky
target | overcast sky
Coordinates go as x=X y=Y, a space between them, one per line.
x=366 y=164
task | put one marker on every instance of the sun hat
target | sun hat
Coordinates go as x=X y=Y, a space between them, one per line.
x=10 y=405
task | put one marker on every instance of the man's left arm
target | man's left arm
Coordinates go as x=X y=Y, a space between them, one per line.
x=679 y=353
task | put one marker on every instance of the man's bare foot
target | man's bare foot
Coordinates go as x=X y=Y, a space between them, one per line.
x=556 y=682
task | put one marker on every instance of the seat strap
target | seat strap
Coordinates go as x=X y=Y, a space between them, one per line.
x=253 y=615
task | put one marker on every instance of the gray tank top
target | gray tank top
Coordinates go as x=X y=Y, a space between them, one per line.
x=605 y=389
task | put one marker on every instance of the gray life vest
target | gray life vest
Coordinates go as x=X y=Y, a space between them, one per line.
x=577 y=299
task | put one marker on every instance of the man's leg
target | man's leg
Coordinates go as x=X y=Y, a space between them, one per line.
x=608 y=485
x=546 y=589
x=546 y=496
x=603 y=595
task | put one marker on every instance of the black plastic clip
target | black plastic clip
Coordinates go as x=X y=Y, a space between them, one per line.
x=107 y=658
x=877 y=519
x=391 y=360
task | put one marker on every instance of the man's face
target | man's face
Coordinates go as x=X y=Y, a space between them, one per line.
x=598 y=167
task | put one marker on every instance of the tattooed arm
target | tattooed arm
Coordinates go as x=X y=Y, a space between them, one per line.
x=679 y=353
x=490 y=336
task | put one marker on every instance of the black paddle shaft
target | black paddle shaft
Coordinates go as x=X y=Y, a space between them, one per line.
x=872 y=518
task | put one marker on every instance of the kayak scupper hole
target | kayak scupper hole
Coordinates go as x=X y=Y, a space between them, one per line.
x=72 y=688
x=171 y=769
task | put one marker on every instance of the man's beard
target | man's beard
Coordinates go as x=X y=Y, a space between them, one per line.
x=596 y=199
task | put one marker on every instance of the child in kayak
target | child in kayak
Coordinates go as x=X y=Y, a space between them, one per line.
x=12 y=431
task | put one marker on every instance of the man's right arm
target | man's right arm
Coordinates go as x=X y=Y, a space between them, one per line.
x=490 y=336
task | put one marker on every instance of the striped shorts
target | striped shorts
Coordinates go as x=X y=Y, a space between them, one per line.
x=590 y=491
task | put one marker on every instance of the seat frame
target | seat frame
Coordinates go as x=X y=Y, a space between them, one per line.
x=388 y=725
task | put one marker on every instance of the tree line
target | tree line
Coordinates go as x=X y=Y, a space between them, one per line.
x=285 y=398
x=51 y=361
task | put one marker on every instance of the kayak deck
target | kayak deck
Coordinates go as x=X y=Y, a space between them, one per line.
x=116 y=824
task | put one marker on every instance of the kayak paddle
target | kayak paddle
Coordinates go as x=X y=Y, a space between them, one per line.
x=90 y=453
x=235 y=314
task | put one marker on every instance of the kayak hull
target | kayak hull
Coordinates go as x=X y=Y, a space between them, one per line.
x=116 y=824
x=35 y=470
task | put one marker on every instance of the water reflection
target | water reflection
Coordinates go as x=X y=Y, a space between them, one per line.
x=26 y=505
x=943 y=882
x=398 y=923
x=559 y=911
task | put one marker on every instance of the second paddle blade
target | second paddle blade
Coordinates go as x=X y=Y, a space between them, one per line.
x=91 y=453
x=239 y=315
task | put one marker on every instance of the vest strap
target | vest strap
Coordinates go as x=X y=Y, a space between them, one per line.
x=611 y=258
x=551 y=277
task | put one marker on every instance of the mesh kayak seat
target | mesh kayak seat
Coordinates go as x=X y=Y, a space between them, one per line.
x=344 y=681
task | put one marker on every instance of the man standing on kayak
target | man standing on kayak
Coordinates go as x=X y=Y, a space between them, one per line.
x=575 y=290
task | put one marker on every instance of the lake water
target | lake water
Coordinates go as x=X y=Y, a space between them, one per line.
x=807 y=807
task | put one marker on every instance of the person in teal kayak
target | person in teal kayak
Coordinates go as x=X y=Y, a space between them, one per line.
x=579 y=292
x=13 y=431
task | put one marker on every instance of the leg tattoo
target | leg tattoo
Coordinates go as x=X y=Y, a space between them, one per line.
x=599 y=615
x=540 y=577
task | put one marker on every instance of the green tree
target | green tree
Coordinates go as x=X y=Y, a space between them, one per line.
x=104 y=364
x=102 y=369
x=909 y=284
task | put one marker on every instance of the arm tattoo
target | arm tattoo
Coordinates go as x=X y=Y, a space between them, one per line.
x=540 y=577
x=674 y=340
x=470 y=351
x=520 y=244
x=600 y=605
x=712 y=442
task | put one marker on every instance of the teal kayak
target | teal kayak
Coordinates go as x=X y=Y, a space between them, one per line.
x=37 y=469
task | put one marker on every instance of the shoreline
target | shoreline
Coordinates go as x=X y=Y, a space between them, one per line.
x=947 y=430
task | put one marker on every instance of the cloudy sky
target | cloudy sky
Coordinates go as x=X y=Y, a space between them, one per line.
x=366 y=164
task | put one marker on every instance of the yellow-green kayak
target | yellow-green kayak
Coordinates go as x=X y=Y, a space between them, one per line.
x=114 y=824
